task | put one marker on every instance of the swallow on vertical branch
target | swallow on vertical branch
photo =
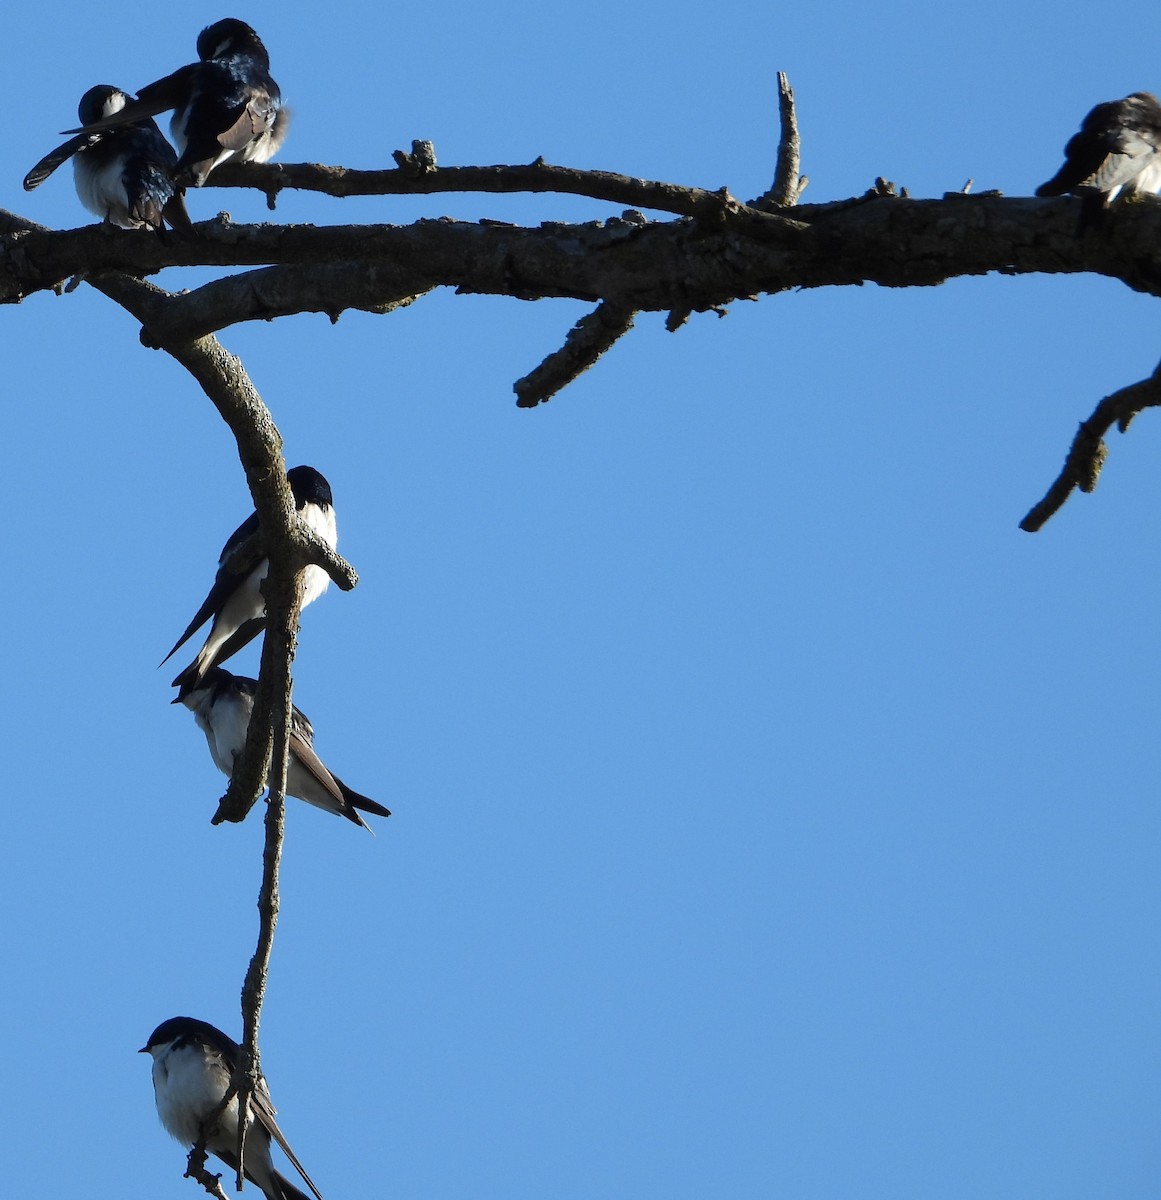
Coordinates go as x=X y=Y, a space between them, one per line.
x=222 y=705
x=226 y=107
x=235 y=601
x=192 y=1065
x=122 y=175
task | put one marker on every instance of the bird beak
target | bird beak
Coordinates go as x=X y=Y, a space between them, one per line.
x=143 y=1050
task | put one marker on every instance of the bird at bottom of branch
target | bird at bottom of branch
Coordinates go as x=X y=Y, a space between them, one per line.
x=222 y=705
x=1116 y=153
x=235 y=602
x=192 y=1065
x=122 y=175
x=226 y=107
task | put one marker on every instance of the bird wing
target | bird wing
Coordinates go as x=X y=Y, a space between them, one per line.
x=264 y=1110
x=225 y=581
x=157 y=97
x=262 y=1105
x=50 y=162
x=253 y=120
x=301 y=748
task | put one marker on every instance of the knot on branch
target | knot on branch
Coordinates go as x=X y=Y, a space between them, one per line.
x=884 y=187
x=421 y=160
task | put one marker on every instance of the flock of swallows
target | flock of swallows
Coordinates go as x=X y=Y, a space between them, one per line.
x=226 y=107
x=193 y=1061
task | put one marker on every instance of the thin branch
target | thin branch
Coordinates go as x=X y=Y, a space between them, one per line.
x=588 y=339
x=538 y=176
x=248 y=1069
x=788 y=185
x=315 y=552
x=312 y=548
x=277 y=654
x=1087 y=453
x=196 y=1167
x=263 y=295
x=289 y=545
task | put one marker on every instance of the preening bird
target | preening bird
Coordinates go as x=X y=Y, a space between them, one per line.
x=192 y=1065
x=122 y=175
x=226 y=107
x=1117 y=152
x=222 y=705
x=235 y=602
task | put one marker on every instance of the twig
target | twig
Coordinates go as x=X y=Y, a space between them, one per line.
x=1087 y=453
x=788 y=185
x=588 y=339
x=196 y=1167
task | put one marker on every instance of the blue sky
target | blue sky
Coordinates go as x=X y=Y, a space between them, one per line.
x=772 y=816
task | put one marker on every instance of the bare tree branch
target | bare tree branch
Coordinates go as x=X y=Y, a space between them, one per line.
x=656 y=266
x=288 y=545
x=1087 y=454
x=285 y=540
x=588 y=339
x=263 y=295
x=788 y=185
x=276 y=658
x=413 y=180
x=725 y=252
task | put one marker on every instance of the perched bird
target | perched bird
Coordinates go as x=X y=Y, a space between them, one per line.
x=192 y=1065
x=225 y=107
x=122 y=175
x=222 y=704
x=235 y=601
x=1118 y=150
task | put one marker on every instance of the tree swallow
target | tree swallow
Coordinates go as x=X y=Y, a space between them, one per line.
x=192 y=1065
x=225 y=107
x=236 y=602
x=222 y=704
x=1118 y=149
x=122 y=175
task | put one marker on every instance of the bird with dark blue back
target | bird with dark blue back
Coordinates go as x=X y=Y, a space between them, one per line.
x=123 y=175
x=226 y=107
